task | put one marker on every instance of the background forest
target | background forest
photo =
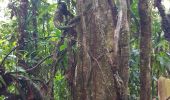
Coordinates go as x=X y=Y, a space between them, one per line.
x=38 y=48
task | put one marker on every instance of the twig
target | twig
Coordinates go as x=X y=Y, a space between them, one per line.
x=66 y=27
x=30 y=69
x=2 y=62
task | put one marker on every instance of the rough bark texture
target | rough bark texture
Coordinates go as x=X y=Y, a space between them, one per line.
x=34 y=23
x=145 y=47
x=72 y=61
x=23 y=35
x=124 y=48
x=98 y=46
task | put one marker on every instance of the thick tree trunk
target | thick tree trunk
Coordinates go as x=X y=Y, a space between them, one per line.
x=124 y=48
x=95 y=73
x=145 y=47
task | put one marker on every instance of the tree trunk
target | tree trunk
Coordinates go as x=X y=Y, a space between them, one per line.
x=34 y=24
x=96 y=76
x=23 y=34
x=145 y=47
x=124 y=48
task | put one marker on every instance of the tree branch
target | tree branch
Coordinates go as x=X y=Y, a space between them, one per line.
x=2 y=62
x=30 y=69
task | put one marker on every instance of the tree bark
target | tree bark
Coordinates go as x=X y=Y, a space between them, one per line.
x=34 y=23
x=95 y=73
x=124 y=47
x=23 y=34
x=145 y=47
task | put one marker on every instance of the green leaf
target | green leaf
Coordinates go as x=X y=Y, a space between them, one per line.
x=1 y=51
x=161 y=60
x=62 y=47
x=20 y=69
x=10 y=57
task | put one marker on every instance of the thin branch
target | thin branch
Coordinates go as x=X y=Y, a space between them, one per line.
x=30 y=69
x=39 y=38
x=55 y=62
x=2 y=62
x=65 y=27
